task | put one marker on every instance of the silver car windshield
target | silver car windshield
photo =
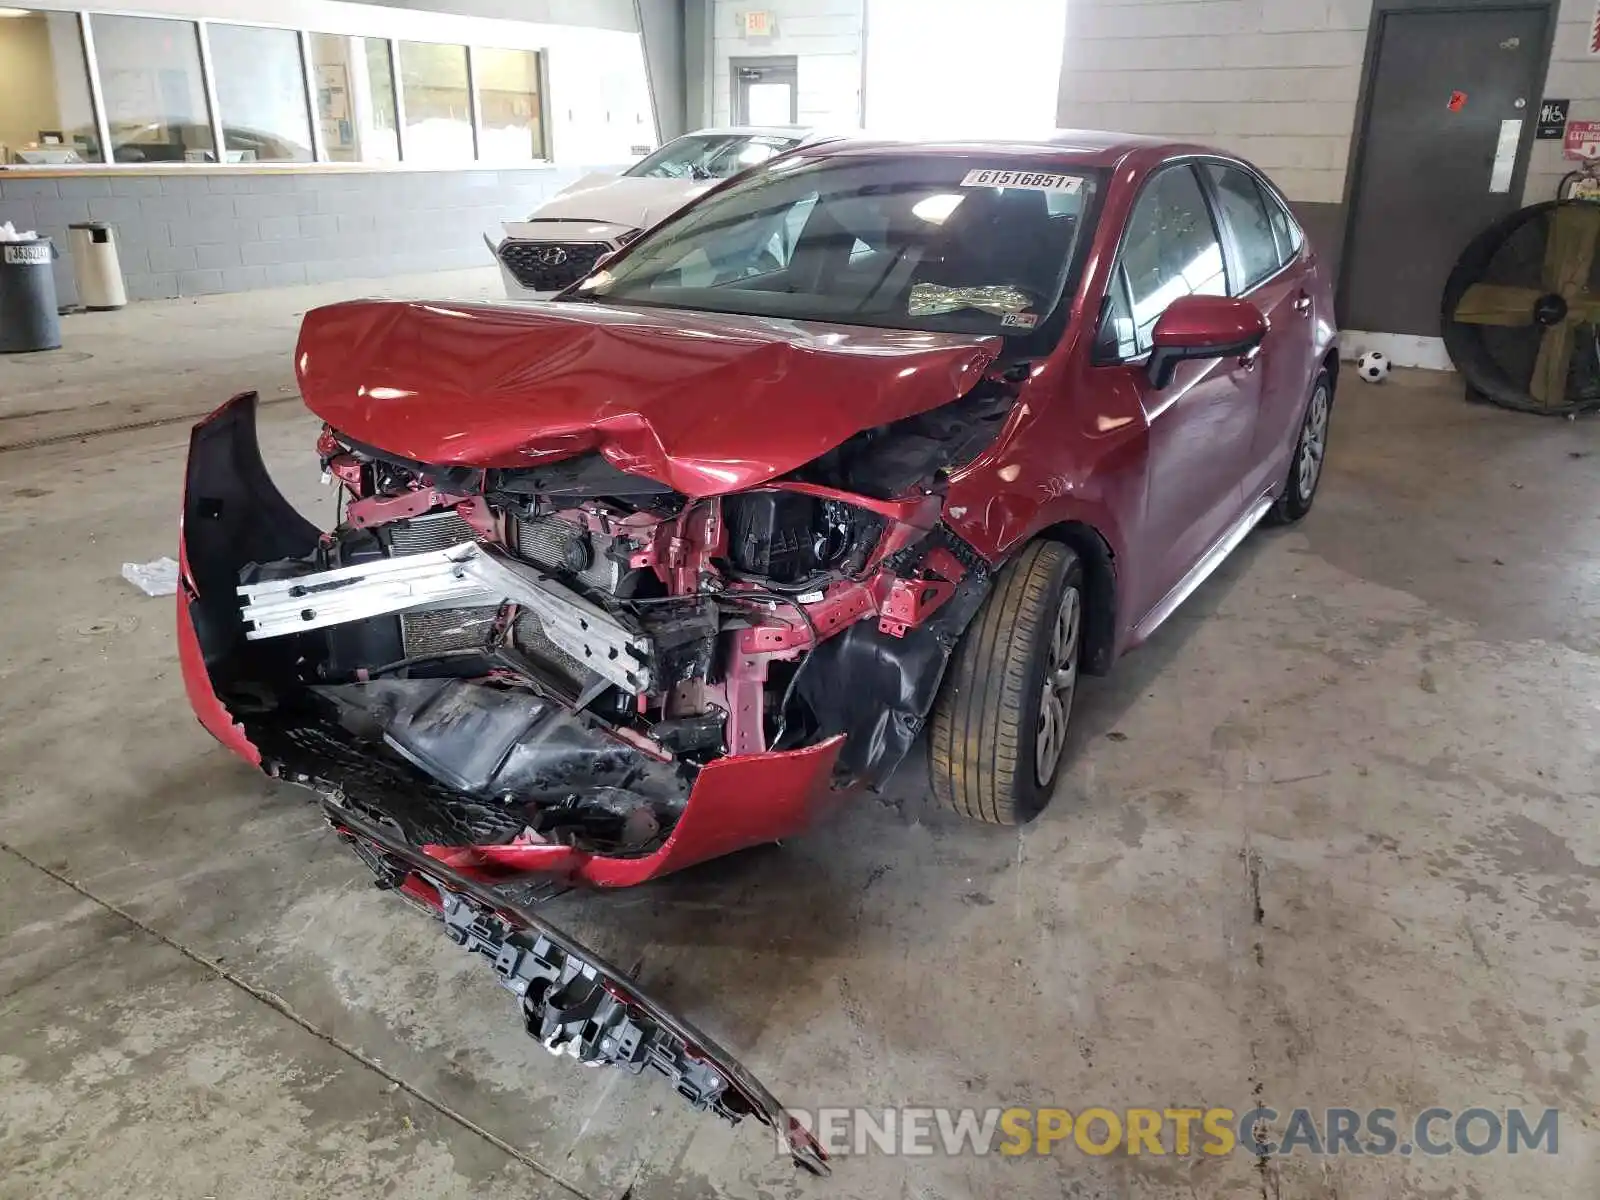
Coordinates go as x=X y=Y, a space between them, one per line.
x=710 y=156
x=931 y=242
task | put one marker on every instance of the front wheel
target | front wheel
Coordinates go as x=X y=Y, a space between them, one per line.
x=999 y=728
x=1310 y=453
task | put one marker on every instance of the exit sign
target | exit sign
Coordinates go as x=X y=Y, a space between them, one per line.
x=757 y=24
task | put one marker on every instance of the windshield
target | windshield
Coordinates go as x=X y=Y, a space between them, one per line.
x=930 y=242
x=711 y=155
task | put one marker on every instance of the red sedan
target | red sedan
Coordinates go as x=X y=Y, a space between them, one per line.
x=873 y=440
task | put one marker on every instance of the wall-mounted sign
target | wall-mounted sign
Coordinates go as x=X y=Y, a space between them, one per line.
x=1583 y=140
x=759 y=24
x=1553 y=120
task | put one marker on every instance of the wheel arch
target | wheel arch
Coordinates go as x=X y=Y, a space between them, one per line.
x=1100 y=584
x=1330 y=364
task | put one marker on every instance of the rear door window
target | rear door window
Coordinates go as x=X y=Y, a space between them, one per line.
x=1245 y=209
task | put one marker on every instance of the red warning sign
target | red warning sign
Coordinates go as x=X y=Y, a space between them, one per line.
x=1458 y=101
x=1583 y=140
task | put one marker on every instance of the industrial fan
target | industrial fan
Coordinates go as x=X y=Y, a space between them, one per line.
x=1522 y=310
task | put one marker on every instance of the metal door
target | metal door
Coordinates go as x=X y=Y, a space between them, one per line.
x=1452 y=102
x=766 y=91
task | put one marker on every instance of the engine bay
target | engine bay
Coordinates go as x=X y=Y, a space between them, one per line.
x=554 y=654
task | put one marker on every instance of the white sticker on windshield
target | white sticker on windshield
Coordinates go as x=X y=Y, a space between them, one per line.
x=1033 y=181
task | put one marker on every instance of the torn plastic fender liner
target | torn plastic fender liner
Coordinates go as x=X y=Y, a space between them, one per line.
x=573 y=1001
x=893 y=680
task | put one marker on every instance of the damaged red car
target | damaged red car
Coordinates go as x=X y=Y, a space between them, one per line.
x=874 y=441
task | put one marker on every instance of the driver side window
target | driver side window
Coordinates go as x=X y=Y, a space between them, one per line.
x=1169 y=250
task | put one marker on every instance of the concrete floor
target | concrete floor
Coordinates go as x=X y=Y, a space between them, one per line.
x=1330 y=840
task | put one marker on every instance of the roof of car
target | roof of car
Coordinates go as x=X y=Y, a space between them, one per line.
x=1083 y=147
x=794 y=131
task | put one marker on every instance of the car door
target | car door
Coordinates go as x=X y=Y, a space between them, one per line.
x=1201 y=427
x=1265 y=268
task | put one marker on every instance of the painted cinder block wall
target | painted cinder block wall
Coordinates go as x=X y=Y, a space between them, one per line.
x=1277 y=81
x=825 y=36
x=199 y=232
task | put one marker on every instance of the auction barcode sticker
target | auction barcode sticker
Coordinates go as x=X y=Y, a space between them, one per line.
x=1031 y=180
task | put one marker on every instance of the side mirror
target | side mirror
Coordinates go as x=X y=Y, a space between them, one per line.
x=1202 y=327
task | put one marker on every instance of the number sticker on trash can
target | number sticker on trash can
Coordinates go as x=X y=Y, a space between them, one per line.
x=27 y=254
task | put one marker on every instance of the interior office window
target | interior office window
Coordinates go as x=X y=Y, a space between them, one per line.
x=46 y=116
x=433 y=82
x=508 y=103
x=1171 y=250
x=355 y=98
x=261 y=90
x=1246 y=210
x=154 y=95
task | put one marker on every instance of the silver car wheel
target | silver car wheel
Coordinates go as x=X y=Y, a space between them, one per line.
x=1060 y=683
x=1314 y=443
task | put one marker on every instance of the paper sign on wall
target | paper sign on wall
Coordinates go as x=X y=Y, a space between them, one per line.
x=1583 y=140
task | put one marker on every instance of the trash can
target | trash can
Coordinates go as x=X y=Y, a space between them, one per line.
x=95 y=266
x=28 y=318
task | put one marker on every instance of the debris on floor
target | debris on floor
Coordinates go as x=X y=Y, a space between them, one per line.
x=156 y=578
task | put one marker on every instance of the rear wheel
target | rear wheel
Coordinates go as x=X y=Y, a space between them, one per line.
x=999 y=729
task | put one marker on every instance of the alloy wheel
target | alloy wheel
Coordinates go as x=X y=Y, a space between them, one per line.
x=1060 y=683
x=1314 y=443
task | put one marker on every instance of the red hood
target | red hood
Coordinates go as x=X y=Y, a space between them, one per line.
x=704 y=403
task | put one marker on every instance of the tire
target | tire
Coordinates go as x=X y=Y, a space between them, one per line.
x=1297 y=497
x=984 y=742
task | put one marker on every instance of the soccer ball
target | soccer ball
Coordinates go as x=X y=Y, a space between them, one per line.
x=1373 y=366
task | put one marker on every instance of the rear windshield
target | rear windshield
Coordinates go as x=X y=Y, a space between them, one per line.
x=930 y=242
x=710 y=156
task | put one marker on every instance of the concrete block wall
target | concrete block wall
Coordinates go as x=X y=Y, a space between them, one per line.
x=825 y=36
x=1276 y=81
x=198 y=232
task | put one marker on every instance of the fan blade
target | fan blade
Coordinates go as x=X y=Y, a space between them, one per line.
x=1494 y=304
x=1584 y=309
x=1549 y=383
x=1569 y=254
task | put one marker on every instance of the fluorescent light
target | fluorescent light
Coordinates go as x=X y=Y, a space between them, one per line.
x=15 y=12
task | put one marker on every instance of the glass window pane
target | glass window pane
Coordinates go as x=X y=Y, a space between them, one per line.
x=261 y=90
x=355 y=98
x=1171 y=249
x=155 y=100
x=46 y=118
x=508 y=98
x=433 y=80
x=1241 y=201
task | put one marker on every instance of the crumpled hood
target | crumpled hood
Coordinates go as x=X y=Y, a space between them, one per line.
x=702 y=402
x=637 y=202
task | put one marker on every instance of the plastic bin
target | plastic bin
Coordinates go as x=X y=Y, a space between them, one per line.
x=28 y=316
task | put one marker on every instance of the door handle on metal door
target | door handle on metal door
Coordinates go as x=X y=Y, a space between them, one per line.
x=1302 y=304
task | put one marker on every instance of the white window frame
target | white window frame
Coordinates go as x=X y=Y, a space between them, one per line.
x=469 y=33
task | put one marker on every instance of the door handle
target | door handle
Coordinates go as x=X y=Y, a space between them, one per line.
x=1302 y=304
x=1250 y=358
